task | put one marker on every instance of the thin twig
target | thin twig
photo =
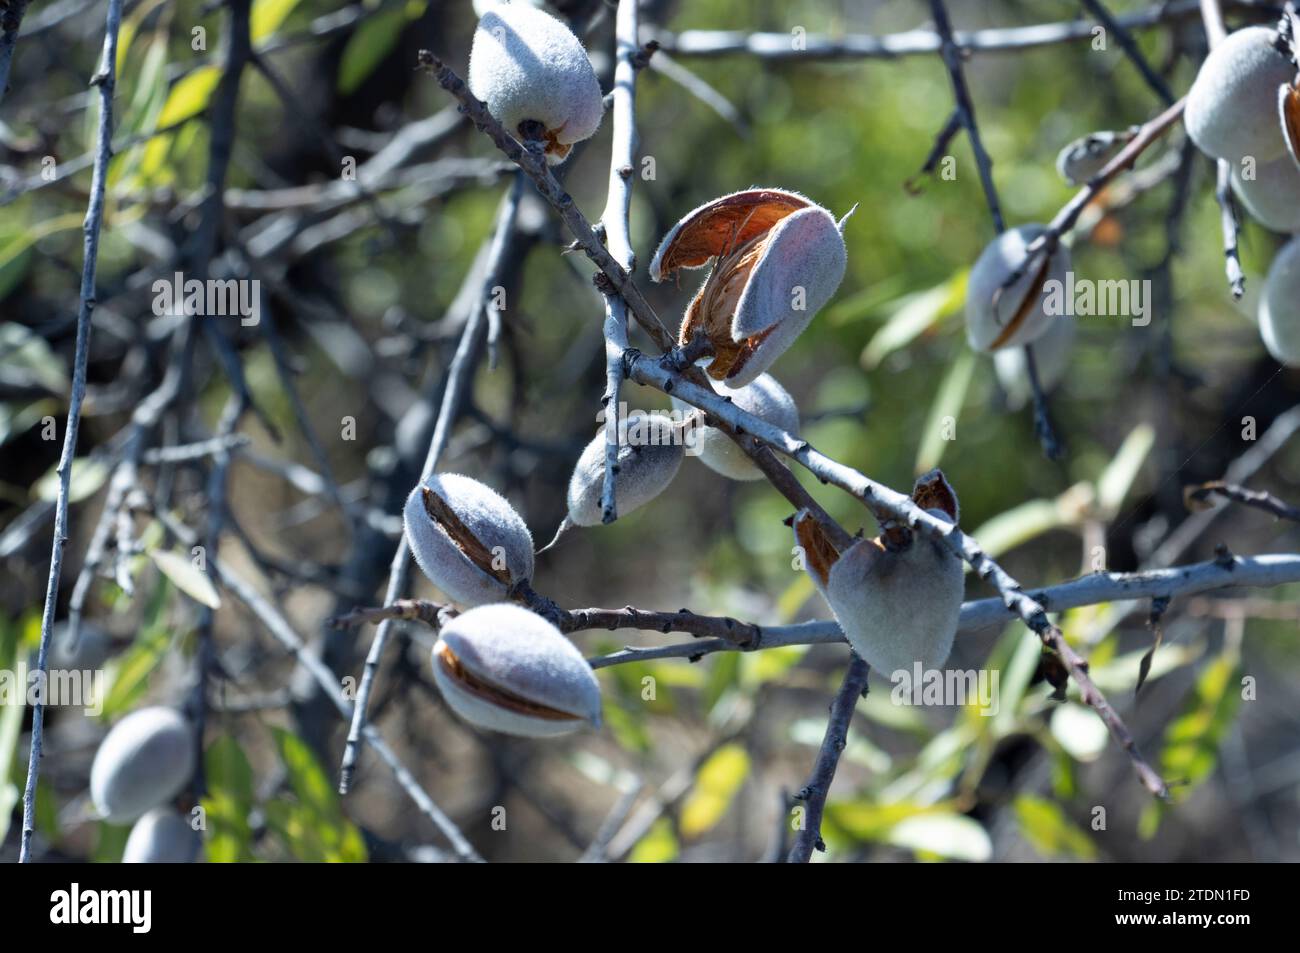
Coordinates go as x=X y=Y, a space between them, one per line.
x=459 y=375
x=1259 y=499
x=616 y=228
x=550 y=189
x=284 y=633
x=814 y=793
x=1096 y=589
x=812 y=46
x=105 y=78
x=965 y=110
x=1130 y=48
x=1231 y=228
x=10 y=22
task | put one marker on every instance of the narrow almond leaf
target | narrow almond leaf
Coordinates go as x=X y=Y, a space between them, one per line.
x=716 y=784
x=913 y=315
x=947 y=403
x=951 y=836
x=189 y=96
x=268 y=16
x=189 y=578
x=1049 y=831
x=1119 y=475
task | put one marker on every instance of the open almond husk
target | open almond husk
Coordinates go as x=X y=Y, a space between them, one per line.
x=777 y=259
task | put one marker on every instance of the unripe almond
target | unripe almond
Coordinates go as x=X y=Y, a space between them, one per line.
x=648 y=459
x=998 y=317
x=507 y=669
x=529 y=68
x=778 y=259
x=1083 y=158
x=143 y=761
x=162 y=836
x=1232 y=107
x=1051 y=358
x=897 y=598
x=467 y=538
x=1279 y=305
x=1272 y=197
x=767 y=400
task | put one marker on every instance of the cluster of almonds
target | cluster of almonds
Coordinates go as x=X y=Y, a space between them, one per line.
x=1244 y=108
x=777 y=258
x=142 y=764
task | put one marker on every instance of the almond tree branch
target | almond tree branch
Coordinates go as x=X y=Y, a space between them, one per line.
x=459 y=376
x=1148 y=133
x=11 y=20
x=614 y=224
x=1130 y=48
x=1096 y=589
x=725 y=634
x=534 y=166
x=964 y=113
x=965 y=109
x=1240 y=494
x=880 y=498
x=105 y=78
x=1215 y=32
x=814 y=793
x=284 y=633
x=877 y=497
x=780 y=46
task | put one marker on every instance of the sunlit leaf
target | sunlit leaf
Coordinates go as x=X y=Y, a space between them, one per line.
x=950 y=836
x=716 y=784
x=1080 y=731
x=1119 y=475
x=189 y=578
x=658 y=846
x=948 y=401
x=1049 y=831
x=912 y=316
x=87 y=476
x=268 y=16
x=229 y=802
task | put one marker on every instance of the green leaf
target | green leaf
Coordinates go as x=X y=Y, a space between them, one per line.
x=658 y=846
x=228 y=771
x=724 y=675
x=189 y=96
x=268 y=16
x=1119 y=475
x=373 y=40
x=716 y=784
x=18 y=418
x=867 y=820
x=229 y=801
x=88 y=475
x=1192 y=740
x=947 y=403
x=951 y=836
x=1018 y=526
x=110 y=842
x=26 y=353
x=1044 y=825
x=130 y=27
x=1080 y=731
x=912 y=316
x=313 y=828
x=189 y=578
x=127 y=675
x=11 y=724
